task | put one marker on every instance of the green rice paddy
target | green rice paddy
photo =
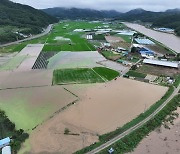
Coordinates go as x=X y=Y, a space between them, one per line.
x=106 y=73
x=83 y=75
x=78 y=42
x=136 y=74
x=126 y=38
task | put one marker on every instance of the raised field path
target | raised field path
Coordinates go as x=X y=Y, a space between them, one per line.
x=47 y=30
x=140 y=124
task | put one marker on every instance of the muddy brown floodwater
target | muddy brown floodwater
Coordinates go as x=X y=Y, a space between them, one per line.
x=162 y=141
x=169 y=40
x=101 y=109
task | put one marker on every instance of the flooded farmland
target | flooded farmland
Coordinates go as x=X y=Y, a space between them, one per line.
x=170 y=40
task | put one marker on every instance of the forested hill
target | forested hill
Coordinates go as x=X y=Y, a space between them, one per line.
x=168 y=19
x=76 y=13
x=25 y=18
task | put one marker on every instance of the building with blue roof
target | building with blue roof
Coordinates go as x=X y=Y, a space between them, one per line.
x=4 y=142
x=145 y=51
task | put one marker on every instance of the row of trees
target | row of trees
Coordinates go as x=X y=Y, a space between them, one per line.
x=22 y=17
x=170 y=21
x=8 y=128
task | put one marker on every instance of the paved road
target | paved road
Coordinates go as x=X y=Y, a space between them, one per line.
x=115 y=139
x=48 y=29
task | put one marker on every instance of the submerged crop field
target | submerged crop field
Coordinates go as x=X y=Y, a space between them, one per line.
x=72 y=79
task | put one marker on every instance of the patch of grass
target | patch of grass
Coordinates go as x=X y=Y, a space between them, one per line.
x=177 y=80
x=19 y=47
x=110 y=55
x=126 y=38
x=136 y=74
x=106 y=137
x=106 y=73
x=66 y=131
x=99 y=37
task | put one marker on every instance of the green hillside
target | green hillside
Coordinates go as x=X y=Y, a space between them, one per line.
x=20 y=18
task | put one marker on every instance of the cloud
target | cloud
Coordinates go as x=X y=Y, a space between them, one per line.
x=119 y=5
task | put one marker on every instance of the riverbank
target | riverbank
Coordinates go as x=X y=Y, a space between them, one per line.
x=169 y=40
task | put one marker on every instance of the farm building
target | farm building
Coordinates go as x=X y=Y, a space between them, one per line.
x=4 y=142
x=167 y=30
x=6 y=150
x=124 y=32
x=144 y=41
x=162 y=63
x=89 y=37
x=78 y=30
x=120 y=49
x=146 y=53
x=137 y=46
x=107 y=45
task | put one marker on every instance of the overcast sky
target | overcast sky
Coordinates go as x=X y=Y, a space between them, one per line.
x=119 y=5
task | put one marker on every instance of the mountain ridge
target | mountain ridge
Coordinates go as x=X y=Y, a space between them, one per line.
x=24 y=18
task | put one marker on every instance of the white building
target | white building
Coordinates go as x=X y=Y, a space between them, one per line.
x=4 y=142
x=162 y=63
x=6 y=150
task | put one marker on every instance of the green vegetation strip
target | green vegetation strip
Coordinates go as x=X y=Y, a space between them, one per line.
x=106 y=137
x=110 y=55
x=106 y=73
x=83 y=75
x=136 y=74
x=7 y=128
x=129 y=142
x=177 y=80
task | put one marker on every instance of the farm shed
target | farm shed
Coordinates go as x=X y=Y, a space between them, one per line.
x=144 y=41
x=6 y=150
x=4 y=142
x=89 y=37
x=162 y=63
x=128 y=33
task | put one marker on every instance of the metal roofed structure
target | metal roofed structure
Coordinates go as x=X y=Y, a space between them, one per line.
x=6 y=150
x=144 y=41
x=4 y=142
x=162 y=63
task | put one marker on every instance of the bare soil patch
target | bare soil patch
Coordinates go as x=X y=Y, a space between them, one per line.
x=114 y=39
x=158 y=70
x=162 y=141
x=33 y=78
x=101 y=109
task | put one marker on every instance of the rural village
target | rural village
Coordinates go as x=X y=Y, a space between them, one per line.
x=79 y=85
